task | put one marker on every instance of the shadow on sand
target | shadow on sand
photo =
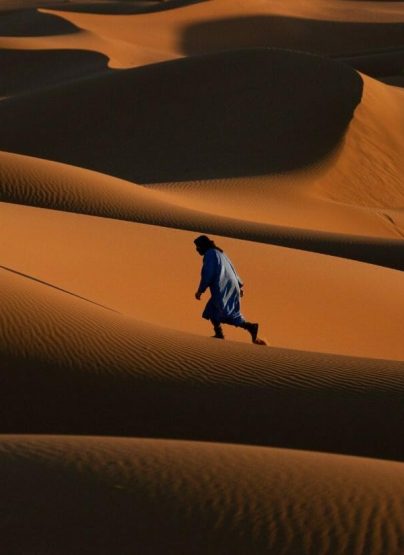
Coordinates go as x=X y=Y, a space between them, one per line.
x=127 y=7
x=32 y=23
x=322 y=37
x=240 y=113
x=30 y=70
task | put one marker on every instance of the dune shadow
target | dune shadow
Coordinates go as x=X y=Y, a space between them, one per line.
x=29 y=70
x=32 y=23
x=127 y=7
x=394 y=80
x=317 y=36
x=384 y=63
x=247 y=112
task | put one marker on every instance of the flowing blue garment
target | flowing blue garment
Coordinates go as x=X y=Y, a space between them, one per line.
x=219 y=275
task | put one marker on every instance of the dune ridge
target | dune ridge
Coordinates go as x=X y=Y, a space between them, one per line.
x=41 y=183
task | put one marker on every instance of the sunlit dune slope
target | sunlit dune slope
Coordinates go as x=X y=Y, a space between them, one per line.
x=147 y=496
x=222 y=115
x=151 y=273
x=72 y=366
x=26 y=180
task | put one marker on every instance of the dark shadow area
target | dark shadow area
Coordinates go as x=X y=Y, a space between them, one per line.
x=394 y=80
x=28 y=70
x=126 y=7
x=32 y=23
x=37 y=398
x=377 y=64
x=322 y=37
x=230 y=114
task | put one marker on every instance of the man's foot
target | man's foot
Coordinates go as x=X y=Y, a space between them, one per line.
x=259 y=341
x=218 y=332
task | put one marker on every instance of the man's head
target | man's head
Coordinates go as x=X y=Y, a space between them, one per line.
x=203 y=243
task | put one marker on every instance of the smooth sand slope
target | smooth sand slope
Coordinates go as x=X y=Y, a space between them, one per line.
x=70 y=366
x=26 y=180
x=171 y=497
x=302 y=300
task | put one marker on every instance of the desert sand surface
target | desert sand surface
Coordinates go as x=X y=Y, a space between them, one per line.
x=127 y=129
x=187 y=497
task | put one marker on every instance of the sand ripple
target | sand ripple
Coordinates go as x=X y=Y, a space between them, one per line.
x=61 y=352
x=151 y=496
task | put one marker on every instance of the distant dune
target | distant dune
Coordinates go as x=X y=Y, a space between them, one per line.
x=128 y=128
x=122 y=125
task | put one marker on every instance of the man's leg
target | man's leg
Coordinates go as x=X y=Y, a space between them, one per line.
x=252 y=330
x=218 y=330
x=241 y=323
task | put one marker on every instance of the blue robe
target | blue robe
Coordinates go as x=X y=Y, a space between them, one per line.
x=219 y=275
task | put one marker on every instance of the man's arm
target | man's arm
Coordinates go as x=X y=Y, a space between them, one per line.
x=207 y=274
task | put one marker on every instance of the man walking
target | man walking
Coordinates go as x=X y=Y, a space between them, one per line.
x=226 y=288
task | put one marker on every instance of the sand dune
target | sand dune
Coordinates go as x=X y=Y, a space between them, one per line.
x=319 y=26
x=61 y=351
x=374 y=140
x=127 y=129
x=116 y=495
x=119 y=128
x=362 y=178
x=300 y=298
x=26 y=180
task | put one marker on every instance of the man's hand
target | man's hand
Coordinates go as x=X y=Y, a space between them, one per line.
x=198 y=296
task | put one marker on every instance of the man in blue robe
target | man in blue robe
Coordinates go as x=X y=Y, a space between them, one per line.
x=226 y=288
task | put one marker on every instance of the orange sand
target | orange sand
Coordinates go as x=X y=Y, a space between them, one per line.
x=127 y=129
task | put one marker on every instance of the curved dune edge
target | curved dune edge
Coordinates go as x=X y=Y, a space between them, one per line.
x=253 y=124
x=70 y=366
x=97 y=53
x=46 y=184
x=152 y=496
x=321 y=27
x=361 y=181
x=166 y=34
